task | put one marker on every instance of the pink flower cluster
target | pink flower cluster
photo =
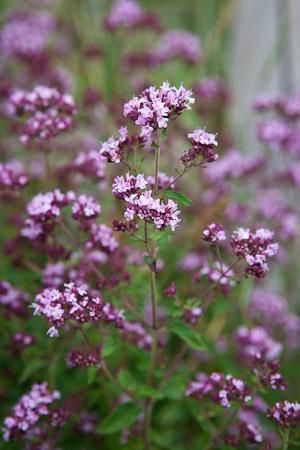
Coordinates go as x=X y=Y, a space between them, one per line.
x=49 y=112
x=14 y=300
x=26 y=34
x=29 y=409
x=21 y=341
x=220 y=388
x=12 y=176
x=219 y=273
x=129 y=14
x=154 y=107
x=256 y=247
x=101 y=237
x=79 y=358
x=124 y=186
x=212 y=94
x=256 y=341
x=43 y=210
x=286 y=414
x=234 y=165
x=203 y=146
x=114 y=149
x=163 y=181
x=142 y=204
x=135 y=333
x=178 y=44
x=272 y=312
x=90 y=163
x=85 y=207
x=247 y=430
x=214 y=233
x=73 y=303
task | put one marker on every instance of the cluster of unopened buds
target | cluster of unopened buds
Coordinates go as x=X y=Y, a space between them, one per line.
x=286 y=414
x=47 y=112
x=29 y=409
x=80 y=358
x=220 y=388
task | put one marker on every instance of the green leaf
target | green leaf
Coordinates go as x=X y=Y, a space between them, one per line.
x=179 y=197
x=123 y=416
x=175 y=387
x=110 y=346
x=125 y=379
x=143 y=390
x=187 y=334
x=31 y=369
x=92 y=373
x=173 y=309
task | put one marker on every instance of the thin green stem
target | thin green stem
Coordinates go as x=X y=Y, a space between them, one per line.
x=156 y=167
x=285 y=439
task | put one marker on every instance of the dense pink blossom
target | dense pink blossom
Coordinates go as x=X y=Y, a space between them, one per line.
x=14 y=300
x=124 y=186
x=214 y=233
x=12 y=176
x=153 y=210
x=26 y=33
x=114 y=149
x=256 y=247
x=90 y=163
x=47 y=112
x=203 y=145
x=29 y=409
x=286 y=414
x=178 y=44
x=101 y=236
x=154 y=107
x=85 y=207
x=47 y=206
x=73 y=303
x=256 y=341
x=129 y=14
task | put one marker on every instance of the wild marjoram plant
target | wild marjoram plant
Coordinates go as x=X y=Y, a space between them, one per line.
x=151 y=210
x=106 y=323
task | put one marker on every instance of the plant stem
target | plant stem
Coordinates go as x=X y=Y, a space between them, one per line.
x=285 y=439
x=156 y=168
x=151 y=252
x=47 y=168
